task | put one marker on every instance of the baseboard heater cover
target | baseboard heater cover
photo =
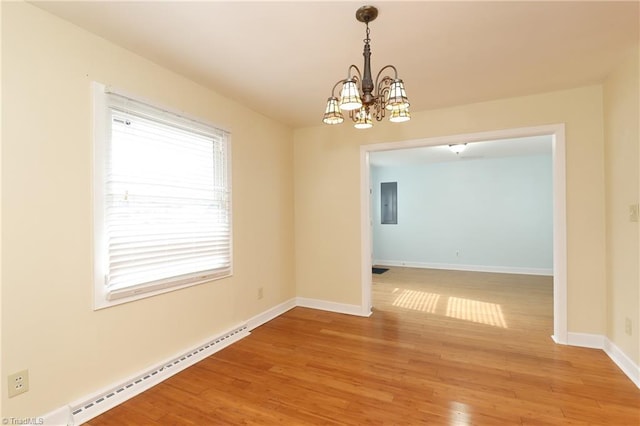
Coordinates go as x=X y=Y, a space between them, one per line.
x=116 y=395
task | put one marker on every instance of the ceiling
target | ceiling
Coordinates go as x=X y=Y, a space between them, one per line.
x=517 y=147
x=282 y=58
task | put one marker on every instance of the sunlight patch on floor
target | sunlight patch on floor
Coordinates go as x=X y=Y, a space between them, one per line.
x=459 y=414
x=416 y=300
x=457 y=307
x=476 y=311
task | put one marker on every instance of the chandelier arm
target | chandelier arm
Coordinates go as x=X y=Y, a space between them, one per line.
x=359 y=75
x=382 y=88
x=379 y=108
x=333 y=91
x=395 y=73
x=353 y=114
x=361 y=93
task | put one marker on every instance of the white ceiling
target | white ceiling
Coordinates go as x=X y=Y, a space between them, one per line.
x=282 y=58
x=518 y=147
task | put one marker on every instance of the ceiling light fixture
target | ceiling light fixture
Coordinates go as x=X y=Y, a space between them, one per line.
x=458 y=147
x=360 y=97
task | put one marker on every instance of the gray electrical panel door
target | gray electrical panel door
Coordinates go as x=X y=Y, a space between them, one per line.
x=389 y=203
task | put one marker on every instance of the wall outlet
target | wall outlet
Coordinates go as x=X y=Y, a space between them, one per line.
x=18 y=383
x=627 y=326
x=260 y=293
x=634 y=212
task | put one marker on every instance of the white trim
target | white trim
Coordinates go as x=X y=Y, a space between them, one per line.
x=109 y=89
x=324 y=305
x=598 y=341
x=366 y=252
x=559 y=208
x=585 y=340
x=89 y=407
x=61 y=416
x=104 y=99
x=98 y=149
x=270 y=314
x=626 y=364
x=558 y=150
x=474 y=268
x=64 y=414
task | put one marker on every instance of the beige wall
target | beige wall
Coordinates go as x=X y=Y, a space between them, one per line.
x=48 y=324
x=47 y=321
x=622 y=140
x=2 y=373
x=327 y=203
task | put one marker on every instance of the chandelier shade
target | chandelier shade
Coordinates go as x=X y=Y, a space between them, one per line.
x=397 y=96
x=332 y=114
x=400 y=115
x=350 y=96
x=363 y=121
x=361 y=96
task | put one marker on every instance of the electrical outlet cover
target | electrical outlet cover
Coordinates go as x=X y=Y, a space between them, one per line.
x=18 y=383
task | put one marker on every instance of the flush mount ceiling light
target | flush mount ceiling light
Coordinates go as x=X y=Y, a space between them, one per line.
x=361 y=97
x=458 y=147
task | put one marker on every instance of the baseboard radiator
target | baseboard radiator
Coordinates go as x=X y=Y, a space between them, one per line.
x=85 y=411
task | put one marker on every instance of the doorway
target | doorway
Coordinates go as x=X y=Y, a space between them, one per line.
x=556 y=132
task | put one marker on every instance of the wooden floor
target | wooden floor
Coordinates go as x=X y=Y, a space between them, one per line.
x=441 y=348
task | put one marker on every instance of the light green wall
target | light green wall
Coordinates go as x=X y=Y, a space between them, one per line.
x=494 y=213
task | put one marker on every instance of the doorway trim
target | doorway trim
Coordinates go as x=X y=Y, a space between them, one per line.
x=557 y=132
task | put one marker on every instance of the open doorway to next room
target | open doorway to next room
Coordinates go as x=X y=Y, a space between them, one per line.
x=468 y=234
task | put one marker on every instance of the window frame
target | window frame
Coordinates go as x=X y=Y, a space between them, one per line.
x=103 y=295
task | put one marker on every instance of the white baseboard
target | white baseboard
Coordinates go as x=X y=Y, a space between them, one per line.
x=270 y=314
x=99 y=402
x=107 y=398
x=598 y=341
x=111 y=396
x=586 y=340
x=59 y=417
x=472 y=268
x=341 y=308
x=626 y=364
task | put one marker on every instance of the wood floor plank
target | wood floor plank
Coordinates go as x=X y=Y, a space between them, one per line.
x=441 y=348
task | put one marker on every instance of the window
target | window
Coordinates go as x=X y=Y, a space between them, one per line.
x=162 y=200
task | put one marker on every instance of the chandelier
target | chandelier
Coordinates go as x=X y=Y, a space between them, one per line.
x=360 y=97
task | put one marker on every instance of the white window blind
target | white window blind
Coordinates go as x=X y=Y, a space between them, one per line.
x=166 y=201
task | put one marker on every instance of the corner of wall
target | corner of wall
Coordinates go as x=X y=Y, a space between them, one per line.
x=2 y=373
x=621 y=111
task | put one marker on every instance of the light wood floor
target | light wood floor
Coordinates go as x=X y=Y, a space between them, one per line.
x=442 y=347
